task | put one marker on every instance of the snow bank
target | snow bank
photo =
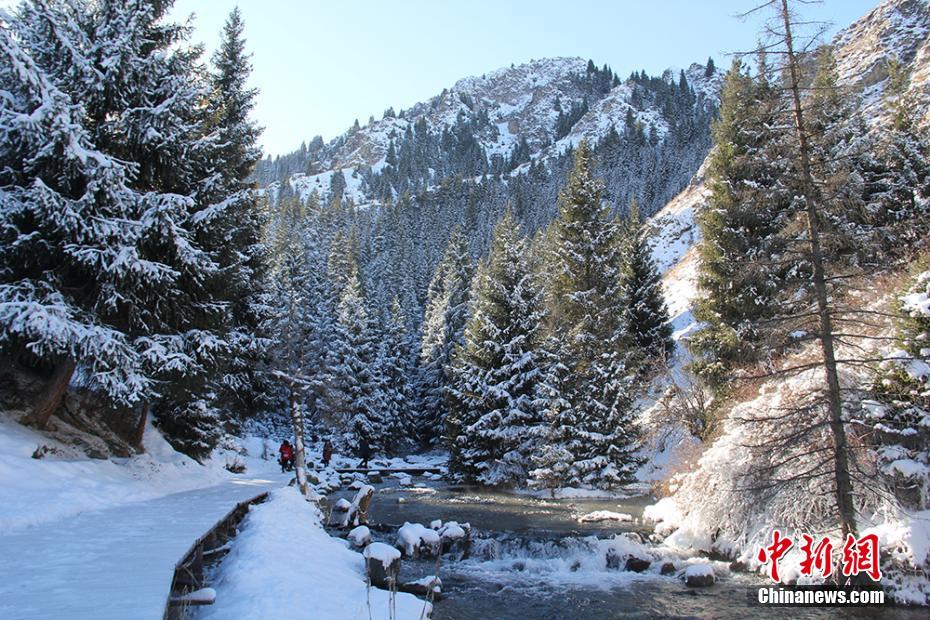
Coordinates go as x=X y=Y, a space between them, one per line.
x=284 y=564
x=66 y=483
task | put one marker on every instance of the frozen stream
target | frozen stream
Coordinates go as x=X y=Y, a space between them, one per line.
x=532 y=558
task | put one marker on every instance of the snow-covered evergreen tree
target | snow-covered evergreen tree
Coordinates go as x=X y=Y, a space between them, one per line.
x=496 y=405
x=443 y=327
x=593 y=420
x=646 y=312
x=356 y=376
x=397 y=371
x=749 y=205
x=140 y=86
x=67 y=234
x=899 y=415
x=231 y=227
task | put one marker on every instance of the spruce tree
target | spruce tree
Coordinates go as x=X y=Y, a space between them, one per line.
x=231 y=227
x=443 y=327
x=740 y=251
x=397 y=370
x=594 y=419
x=67 y=229
x=496 y=410
x=356 y=375
x=141 y=90
x=646 y=312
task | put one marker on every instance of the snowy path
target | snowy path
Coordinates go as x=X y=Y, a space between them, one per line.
x=113 y=563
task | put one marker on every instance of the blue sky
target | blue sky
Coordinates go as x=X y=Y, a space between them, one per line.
x=320 y=65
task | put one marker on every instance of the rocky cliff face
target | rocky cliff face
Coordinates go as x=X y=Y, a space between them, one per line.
x=895 y=30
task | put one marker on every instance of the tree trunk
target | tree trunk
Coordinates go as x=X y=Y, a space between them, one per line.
x=844 y=497
x=54 y=394
x=300 y=461
x=139 y=433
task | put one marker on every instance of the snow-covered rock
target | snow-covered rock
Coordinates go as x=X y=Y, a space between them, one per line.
x=415 y=539
x=699 y=575
x=359 y=536
x=604 y=515
x=386 y=554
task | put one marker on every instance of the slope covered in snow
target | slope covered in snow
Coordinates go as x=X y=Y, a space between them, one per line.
x=706 y=510
x=65 y=482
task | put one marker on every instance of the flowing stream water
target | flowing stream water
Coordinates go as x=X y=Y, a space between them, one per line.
x=530 y=558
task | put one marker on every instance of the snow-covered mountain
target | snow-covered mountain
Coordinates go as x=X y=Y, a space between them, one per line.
x=516 y=115
x=522 y=102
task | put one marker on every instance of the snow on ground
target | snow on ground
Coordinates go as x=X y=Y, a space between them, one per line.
x=673 y=234
x=116 y=562
x=37 y=491
x=281 y=551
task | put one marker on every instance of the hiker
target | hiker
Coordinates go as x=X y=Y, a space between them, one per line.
x=327 y=452
x=287 y=456
x=364 y=451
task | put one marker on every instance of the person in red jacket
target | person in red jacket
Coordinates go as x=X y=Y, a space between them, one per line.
x=287 y=456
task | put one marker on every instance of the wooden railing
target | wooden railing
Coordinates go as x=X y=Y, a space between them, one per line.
x=209 y=548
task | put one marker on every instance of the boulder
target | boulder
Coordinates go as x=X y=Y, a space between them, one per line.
x=667 y=568
x=699 y=576
x=360 y=536
x=416 y=540
x=636 y=565
x=430 y=586
x=383 y=565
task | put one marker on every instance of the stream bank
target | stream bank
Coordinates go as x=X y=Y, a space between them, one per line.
x=532 y=557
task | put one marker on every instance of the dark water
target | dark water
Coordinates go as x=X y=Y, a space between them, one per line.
x=531 y=559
